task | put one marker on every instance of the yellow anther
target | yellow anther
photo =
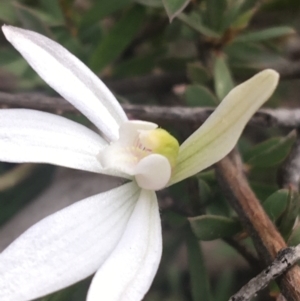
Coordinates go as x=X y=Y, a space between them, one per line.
x=160 y=142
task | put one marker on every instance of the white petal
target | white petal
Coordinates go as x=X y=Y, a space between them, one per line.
x=219 y=134
x=33 y=136
x=70 y=78
x=67 y=246
x=128 y=272
x=153 y=172
x=130 y=130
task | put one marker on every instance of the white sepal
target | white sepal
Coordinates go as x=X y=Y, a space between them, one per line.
x=220 y=132
x=33 y=136
x=67 y=246
x=70 y=78
x=128 y=273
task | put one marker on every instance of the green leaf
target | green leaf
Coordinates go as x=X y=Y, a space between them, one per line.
x=239 y=14
x=136 y=66
x=266 y=34
x=290 y=215
x=222 y=76
x=230 y=15
x=63 y=37
x=100 y=10
x=271 y=152
x=116 y=41
x=199 y=96
x=53 y=11
x=217 y=204
x=205 y=192
x=214 y=13
x=243 y=20
x=150 y=3
x=7 y=12
x=32 y=20
x=224 y=285
x=174 y=220
x=194 y=21
x=197 y=73
x=262 y=190
x=210 y=227
x=276 y=204
x=247 y=52
x=12 y=62
x=199 y=279
x=174 y=7
x=294 y=238
x=15 y=197
x=248 y=58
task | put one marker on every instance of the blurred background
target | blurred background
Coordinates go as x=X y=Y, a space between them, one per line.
x=169 y=53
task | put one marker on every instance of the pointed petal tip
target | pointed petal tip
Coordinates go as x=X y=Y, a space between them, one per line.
x=218 y=135
x=10 y=32
x=269 y=74
x=266 y=81
x=6 y=30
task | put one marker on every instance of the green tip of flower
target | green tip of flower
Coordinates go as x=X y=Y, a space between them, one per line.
x=161 y=142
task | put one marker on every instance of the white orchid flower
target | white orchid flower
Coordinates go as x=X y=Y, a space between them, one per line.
x=115 y=234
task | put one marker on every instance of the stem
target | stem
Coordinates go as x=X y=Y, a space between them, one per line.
x=285 y=118
x=267 y=240
x=285 y=259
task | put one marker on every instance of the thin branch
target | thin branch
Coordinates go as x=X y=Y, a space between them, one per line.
x=244 y=251
x=288 y=69
x=284 y=260
x=267 y=240
x=289 y=172
x=289 y=118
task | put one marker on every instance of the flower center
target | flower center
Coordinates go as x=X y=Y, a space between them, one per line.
x=144 y=151
x=159 y=141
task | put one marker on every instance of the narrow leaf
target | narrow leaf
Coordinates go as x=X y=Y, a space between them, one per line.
x=194 y=21
x=290 y=215
x=197 y=95
x=222 y=75
x=266 y=34
x=150 y=3
x=136 y=66
x=100 y=10
x=174 y=7
x=243 y=19
x=271 y=152
x=294 y=238
x=112 y=45
x=214 y=12
x=197 y=73
x=210 y=227
x=200 y=287
x=14 y=198
x=7 y=13
x=276 y=204
x=224 y=285
x=32 y=20
x=53 y=10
